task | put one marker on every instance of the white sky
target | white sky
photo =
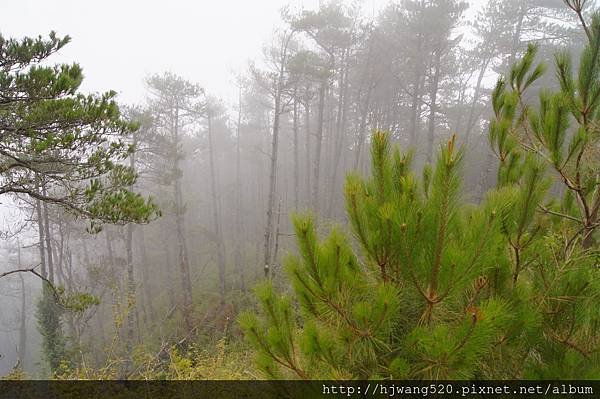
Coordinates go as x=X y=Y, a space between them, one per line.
x=119 y=43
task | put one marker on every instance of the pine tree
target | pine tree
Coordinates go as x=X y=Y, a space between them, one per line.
x=440 y=289
x=562 y=131
x=70 y=144
x=553 y=241
x=414 y=303
x=61 y=147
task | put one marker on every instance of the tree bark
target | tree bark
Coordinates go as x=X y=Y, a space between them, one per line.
x=277 y=233
x=416 y=94
x=341 y=135
x=184 y=267
x=149 y=313
x=274 y=153
x=296 y=158
x=42 y=248
x=272 y=182
x=476 y=94
x=216 y=218
x=130 y=286
x=238 y=199
x=318 y=147
x=47 y=237
x=307 y=148
x=22 y=348
x=433 y=106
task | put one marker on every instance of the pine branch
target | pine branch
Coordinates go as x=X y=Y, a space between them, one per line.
x=546 y=210
x=37 y=274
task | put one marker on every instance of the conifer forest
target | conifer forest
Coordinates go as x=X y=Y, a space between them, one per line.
x=383 y=190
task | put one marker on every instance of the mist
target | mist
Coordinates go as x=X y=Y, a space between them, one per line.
x=246 y=114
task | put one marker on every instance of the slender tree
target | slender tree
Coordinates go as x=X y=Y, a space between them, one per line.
x=175 y=104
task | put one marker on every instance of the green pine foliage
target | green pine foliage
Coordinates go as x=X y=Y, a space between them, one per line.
x=416 y=302
x=439 y=289
x=65 y=148
x=74 y=144
x=561 y=132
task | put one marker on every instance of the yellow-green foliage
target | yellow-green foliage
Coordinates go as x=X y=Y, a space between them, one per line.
x=15 y=375
x=219 y=362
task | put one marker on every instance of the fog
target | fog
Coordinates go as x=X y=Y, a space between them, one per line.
x=119 y=43
x=248 y=112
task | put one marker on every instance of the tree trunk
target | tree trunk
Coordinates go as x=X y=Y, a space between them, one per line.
x=216 y=218
x=22 y=348
x=47 y=237
x=42 y=248
x=307 y=148
x=318 y=147
x=517 y=35
x=341 y=136
x=416 y=95
x=277 y=233
x=433 y=106
x=167 y=245
x=149 y=313
x=296 y=157
x=130 y=286
x=59 y=256
x=184 y=267
x=111 y=258
x=238 y=200
x=362 y=135
x=364 y=109
x=274 y=150
x=476 y=94
x=272 y=179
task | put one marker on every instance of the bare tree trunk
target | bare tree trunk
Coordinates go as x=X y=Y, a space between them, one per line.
x=416 y=95
x=296 y=157
x=130 y=286
x=272 y=182
x=341 y=137
x=146 y=289
x=238 y=200
x=184 y=268
x=40 y=221
x=277 y=232
x=414 y=117
x=433 y=105
x=112 y=265
x=307 y=148
x=318 y=147
x=274 y=153
x=111 y=255
x=476 y=94
x=47 y=237
x=70 y=268
x=167 y=245
x=364 y=110
x=59 y=255
x=517 y=34
x=362 y=135
x=22 y=348
x=216 y=218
